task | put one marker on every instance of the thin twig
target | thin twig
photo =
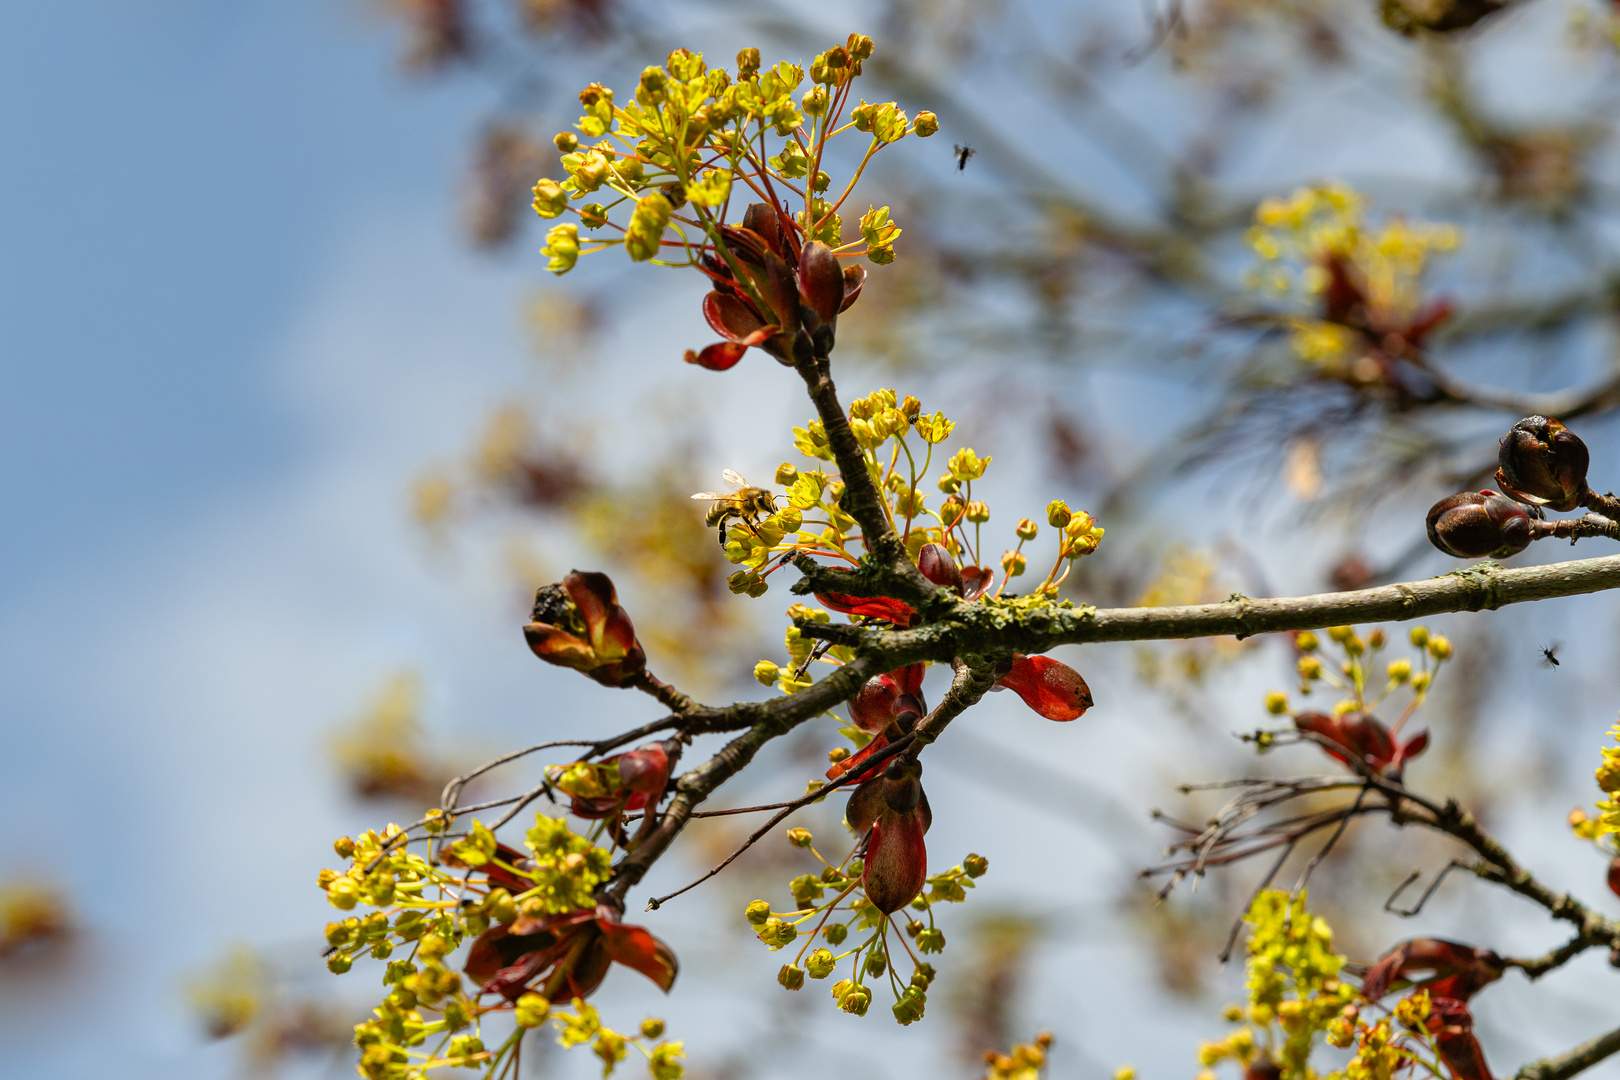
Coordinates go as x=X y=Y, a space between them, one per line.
x=882 y=755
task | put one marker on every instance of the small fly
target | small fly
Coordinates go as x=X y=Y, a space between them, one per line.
x=1549 y=654
x=962 y=155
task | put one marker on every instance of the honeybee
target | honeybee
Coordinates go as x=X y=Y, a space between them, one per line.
x=747 y=504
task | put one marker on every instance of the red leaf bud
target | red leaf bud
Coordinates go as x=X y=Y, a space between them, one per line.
x=645 y=770
x=579 y=624
x=896 y=865
x=821 y=280
x=872 y=707
x=1476 y=524
x=937 y=566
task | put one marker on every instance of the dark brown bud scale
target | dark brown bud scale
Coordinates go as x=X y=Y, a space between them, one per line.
x=1543 y=463
x=1479 y=524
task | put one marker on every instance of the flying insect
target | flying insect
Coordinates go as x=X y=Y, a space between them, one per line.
x=747 y=504
x=1549 y=654
x=962 y=155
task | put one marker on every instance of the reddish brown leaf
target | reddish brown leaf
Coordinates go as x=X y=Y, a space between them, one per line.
x=854 y=280
x=1457 y=971
x=858 y=758
x=865 y=805
x=1051 y=688
x=732 y=318
x=635 y=948
x=881 y=607
x=721 y=356
x=1453 y=1028
x=976 y=581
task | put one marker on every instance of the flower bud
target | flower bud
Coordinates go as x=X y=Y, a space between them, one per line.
x=937 y=566
x=653 y=80
x=647 y=224
x=875 y=964
x=1476 y=524
x=978 y=512
x=1607 y=775
x=549 y=198
x=1421 y=681
x=1543 y=463
x=531 y=1011
x=1440 y=647
x=765 y=673
x=344 y=847
x=819 y=964
x=1276 y=703
x=815 y=99
x=562 y=248
x=975 y=865
x=931 y=940
x=747 y=63
x=786 y=473
x=1013 y=563
x=338 y=933
x=1375 y=639
x=1310 y=667
x=343 y=893
x=338 y=963
x=1400 y=670
x=835 y=934
x=860 y=46
x=837 y=754
x=1058 y=513
x=758 y=912
x=791 y=977
x=800 y=837
x=925 y=124
x=1306 y=642
x=592 y=171
x=1025 y=529
x=652 y=1028
x=566 y=142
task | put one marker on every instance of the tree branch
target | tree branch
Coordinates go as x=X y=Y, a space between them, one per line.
x=1577 y=1060
x=982 y=625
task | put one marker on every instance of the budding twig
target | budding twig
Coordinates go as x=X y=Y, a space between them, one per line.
x=887 y=752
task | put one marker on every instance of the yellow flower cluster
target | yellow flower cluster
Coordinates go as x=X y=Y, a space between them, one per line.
x=1607 y=775
x=899 y=442
x=1319 y=232
x=1024 y=1062
x=427 y=907
x=1355 y=675
x=834 y=918
x=1297 y=1001
x=690 y=136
